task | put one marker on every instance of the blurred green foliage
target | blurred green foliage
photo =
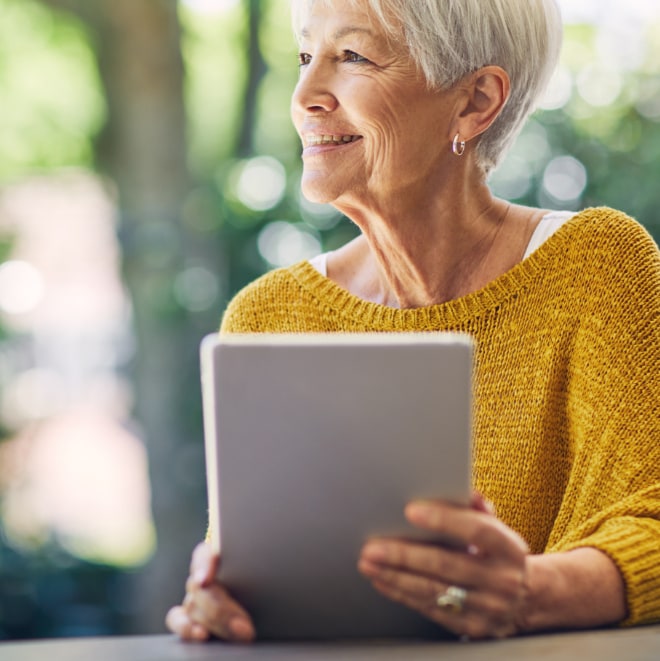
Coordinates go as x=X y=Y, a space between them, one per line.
x=49 y=593
x=51 y=104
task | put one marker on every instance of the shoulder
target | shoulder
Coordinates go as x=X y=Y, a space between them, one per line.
x=601 y=265
x=257 y=306
x=606 y=238
x=604 y=224
x=613 y=270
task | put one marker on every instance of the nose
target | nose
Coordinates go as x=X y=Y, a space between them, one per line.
x=314 y=90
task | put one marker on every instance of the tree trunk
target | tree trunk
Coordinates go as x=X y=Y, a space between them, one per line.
x=143 y=150
x=255 y=72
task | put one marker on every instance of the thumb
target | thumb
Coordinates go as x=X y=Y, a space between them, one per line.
x=204 y=564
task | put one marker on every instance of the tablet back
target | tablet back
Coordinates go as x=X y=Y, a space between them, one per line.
x=313 y=444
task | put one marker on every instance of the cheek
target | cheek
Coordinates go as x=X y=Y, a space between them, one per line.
x=383 y=129
x=395 y=117
x=390 y=146
x=296 y=117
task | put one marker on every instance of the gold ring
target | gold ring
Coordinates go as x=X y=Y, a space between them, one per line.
x=452 y=599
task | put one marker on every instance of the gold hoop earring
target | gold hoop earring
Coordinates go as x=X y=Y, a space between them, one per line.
x=458 y=145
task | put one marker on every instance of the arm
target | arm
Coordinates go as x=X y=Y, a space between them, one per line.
x=574 y=589
x=612 y=498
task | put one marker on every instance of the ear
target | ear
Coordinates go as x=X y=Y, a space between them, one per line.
x=485 y=92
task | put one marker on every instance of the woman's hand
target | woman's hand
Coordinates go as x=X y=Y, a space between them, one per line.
x=207 y=608
x=488 y=568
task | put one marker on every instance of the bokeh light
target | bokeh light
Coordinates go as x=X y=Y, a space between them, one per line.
x=209 y=6
x=516 y=176
x=559 y=90
x=86 y=478
x=64 y=401
x=21 y=287
x=599 y=86
x=565 y=179
x=261 y=183
x=282 y=243
x=319 y=216
x=32 y=395
x=196 y=288
x=513 y=179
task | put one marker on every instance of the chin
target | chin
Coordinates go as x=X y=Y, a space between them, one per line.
x=315 y=197
x=318 y=192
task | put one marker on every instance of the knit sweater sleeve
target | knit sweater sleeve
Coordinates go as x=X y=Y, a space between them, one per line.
x=613 y=493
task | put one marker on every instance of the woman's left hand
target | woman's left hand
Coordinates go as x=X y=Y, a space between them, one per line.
x=485 y=574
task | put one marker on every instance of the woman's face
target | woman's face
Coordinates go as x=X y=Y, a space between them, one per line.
x=367 y=120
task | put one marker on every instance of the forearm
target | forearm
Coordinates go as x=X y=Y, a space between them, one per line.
x=577 y=589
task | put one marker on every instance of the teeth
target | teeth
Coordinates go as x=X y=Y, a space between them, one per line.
x=312 y=140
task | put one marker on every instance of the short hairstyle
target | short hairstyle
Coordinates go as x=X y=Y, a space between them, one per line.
x=449 y=39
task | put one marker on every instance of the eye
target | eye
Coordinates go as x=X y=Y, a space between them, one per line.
x=352 y=56
x=303 y=59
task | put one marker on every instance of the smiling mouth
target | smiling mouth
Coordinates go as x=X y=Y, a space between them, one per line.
x=315 y=140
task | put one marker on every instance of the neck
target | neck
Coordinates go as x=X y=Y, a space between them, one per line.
x=422 y=250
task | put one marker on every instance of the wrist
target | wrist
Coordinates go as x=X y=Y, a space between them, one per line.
x=570 y=590
x=537 y=587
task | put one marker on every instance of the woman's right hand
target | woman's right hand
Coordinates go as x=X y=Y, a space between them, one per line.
x=207 y=609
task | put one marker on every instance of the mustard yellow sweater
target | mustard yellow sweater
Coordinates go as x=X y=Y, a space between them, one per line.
x=567 y=419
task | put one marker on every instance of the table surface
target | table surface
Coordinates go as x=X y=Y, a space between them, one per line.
x=638 y=644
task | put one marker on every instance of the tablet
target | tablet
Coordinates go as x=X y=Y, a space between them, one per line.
x=313 y=444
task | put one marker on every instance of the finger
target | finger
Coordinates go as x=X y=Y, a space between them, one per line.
x=431 y=567
x=451 y=621
x=204 y=564
x=215 y=610
x=434 y=562
x=480 y=504
x=469 y=622
x=424 y=590
x=484 y=532
x=178 y=622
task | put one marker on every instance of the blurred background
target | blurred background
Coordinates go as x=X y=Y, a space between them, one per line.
x=148 y=170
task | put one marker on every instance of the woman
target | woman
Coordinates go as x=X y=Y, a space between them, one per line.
x=403 y=108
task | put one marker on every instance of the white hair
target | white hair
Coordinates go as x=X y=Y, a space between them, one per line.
x=449 y=39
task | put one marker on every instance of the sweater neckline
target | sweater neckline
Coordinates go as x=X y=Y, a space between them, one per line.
x=494 y=294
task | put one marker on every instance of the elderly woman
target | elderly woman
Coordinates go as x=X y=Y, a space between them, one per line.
x=403 y=108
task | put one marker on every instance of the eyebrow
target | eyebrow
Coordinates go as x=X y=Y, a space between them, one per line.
x=342 y=32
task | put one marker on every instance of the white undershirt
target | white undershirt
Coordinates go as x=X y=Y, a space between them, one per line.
x=547 y=226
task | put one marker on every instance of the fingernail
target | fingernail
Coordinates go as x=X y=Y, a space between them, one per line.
x=241 y=629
